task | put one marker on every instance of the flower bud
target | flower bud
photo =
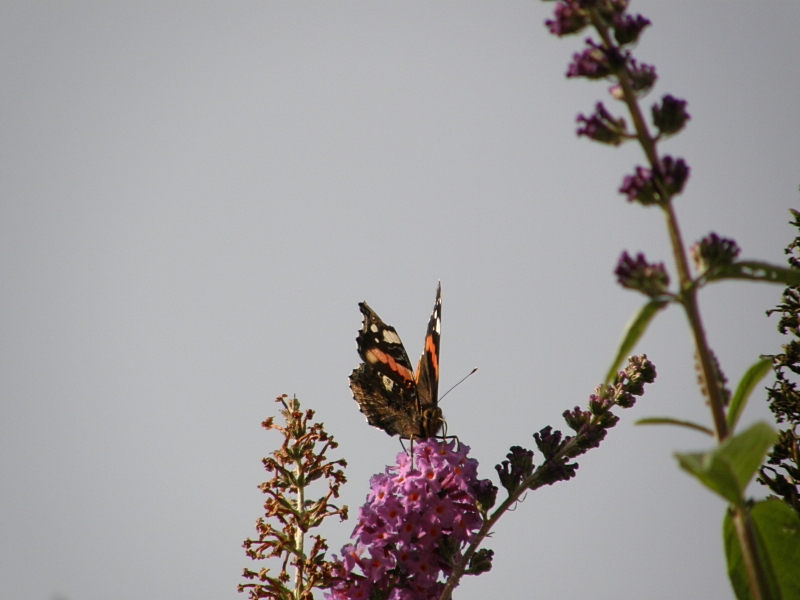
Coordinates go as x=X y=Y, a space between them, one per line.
x=671 y=116
x=639 y=187
x=518 y=466
x=642 y=76
x=638 y=274
x=481 y=562
x=602 y=126
x=577 y=418
x=627 y=27
x=595 y=62
x=485 y=493
x=674 y=172
x=713 y=252
x=569 y=18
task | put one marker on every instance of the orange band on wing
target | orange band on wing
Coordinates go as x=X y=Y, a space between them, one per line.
x=373 y=355
x=430 y=348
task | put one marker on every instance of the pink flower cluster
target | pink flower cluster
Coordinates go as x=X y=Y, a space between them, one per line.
x=413 y=527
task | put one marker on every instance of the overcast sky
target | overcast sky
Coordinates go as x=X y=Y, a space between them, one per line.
x=195 y=196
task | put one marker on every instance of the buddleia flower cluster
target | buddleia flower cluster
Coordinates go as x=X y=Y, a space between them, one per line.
x=419 y=516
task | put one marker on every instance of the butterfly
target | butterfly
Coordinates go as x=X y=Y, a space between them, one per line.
x=391 y=395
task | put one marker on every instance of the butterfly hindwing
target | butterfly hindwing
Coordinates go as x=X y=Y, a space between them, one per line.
x=385 y=407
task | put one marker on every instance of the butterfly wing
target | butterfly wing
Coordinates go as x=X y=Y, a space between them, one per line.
x=427 y=375
x=380 y=347
x=385 y=405
x=383 y=385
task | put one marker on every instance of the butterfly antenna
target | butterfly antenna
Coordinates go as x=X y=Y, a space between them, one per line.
x=459 y=383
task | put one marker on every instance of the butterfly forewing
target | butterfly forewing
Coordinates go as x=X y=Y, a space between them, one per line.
x=380 y=347
x=427 y=376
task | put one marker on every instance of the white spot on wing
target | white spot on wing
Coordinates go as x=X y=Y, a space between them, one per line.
x=390 y=337
x=438 y=326
x=387 y=383
x=373 y=328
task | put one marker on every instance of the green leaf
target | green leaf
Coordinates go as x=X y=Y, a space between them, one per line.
x=778 y=538
x=714 y=474
x=671 y=421
x=747 y=384
x=778 y=527
x=634 y=329
x=728 y=468
x=756 y=271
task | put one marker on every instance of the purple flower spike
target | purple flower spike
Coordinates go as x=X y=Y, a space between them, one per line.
x=414 y=526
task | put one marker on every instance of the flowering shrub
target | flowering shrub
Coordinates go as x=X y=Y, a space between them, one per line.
x=418 y=517
x=426 y=517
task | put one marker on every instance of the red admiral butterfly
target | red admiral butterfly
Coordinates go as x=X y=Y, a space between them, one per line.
x=392 y=396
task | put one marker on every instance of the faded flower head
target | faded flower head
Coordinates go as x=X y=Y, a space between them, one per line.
x=298 y=462
x=638 y=274
x=713 y=252
x=414 y=525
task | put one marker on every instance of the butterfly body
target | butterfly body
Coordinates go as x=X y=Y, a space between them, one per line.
x=393 y=396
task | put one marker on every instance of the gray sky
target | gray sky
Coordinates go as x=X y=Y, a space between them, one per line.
x=195 y=196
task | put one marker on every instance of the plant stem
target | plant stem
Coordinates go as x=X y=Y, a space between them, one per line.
x=688 y=297
x=299 y=536
x=689 y=302
x=746 y=533
x=530 y=483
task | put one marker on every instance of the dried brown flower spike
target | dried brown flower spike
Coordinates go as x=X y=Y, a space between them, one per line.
x=298 y=463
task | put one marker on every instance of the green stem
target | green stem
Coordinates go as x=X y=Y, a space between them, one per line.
x=688 y=294
x=689 y=302
x=743 y=524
